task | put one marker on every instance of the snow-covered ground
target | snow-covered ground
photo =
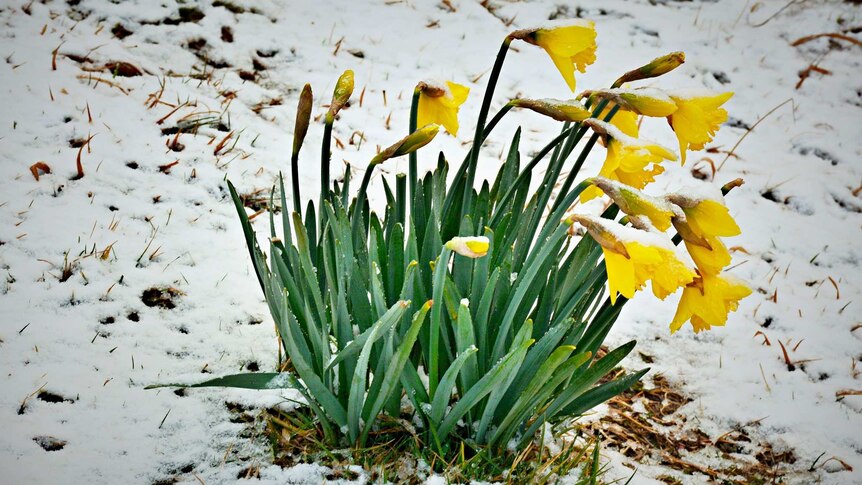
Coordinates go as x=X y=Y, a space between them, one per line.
x=77 y=342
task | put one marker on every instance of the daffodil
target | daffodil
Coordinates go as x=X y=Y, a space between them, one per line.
x=625 y=121
x=636 y=203
x=560 y=110
x=632 y=161
x=439 y=103
x=643 y=101
x=471 y=247
x=633 y=257
x=707 y=300
x=710 y=256
x=570 y=44
x=698 y=116
x=705 y=213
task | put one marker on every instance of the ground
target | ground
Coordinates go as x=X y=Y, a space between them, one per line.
x=122 y=263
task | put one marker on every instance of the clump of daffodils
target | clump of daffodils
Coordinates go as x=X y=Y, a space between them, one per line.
x=478 y=306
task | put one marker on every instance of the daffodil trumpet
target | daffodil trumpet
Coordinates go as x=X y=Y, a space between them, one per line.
x=707 y=301
x=697 y=118
x=632 y=161
x=570 y=44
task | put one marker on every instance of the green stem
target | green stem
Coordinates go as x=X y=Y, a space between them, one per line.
x=527 y=169
x=480 y=126
x=360 y=200
x=586 y=151
x=325 y=156
x=400 y=198
x=459 y=176
x=413 y=170
x=294 y=175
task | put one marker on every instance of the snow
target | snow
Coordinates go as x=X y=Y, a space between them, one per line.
x=628 y=234
x=624 y=139
x=91 y=340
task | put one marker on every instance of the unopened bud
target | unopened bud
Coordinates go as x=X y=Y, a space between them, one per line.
x=643 y=101
x=601 y=234
x=560 y=110
x=471 y=247
x=303 y=116
x=657 y=67
x=430 y=89
x=637 y=203
x=408 y=144
x=343 y=90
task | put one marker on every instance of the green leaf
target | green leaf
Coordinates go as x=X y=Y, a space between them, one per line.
x=447 y=383
x=482 y=388
x=358 y=383
x=394 y=370
x=257 y=380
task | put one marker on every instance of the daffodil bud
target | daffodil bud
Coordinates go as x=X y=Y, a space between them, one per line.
x=408 y=144
x=600 y=233
x=560 y=110
x=471 y=247
x=341 y=95
x=636 y=203
x=643 y=101
x=657 y=67
x=303 y=116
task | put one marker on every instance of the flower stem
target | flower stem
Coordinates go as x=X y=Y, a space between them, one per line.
x=294 y=176
x=325 y=159
x=413 y=170
x=459 y=176
x=480 y=126
x=586 y=151
x=360 y=200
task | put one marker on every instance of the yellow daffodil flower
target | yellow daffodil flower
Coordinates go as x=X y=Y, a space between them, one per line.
x=698 y=116
x=633 y=257
x=560 y=110
x=471 y=247
x=707 y=300
x=710 y=258
x=629 y=160
x=625 y=121
x=706 y=214
x=636 y=203
x=570 y=44
x=439 y=103
x=643 y=101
